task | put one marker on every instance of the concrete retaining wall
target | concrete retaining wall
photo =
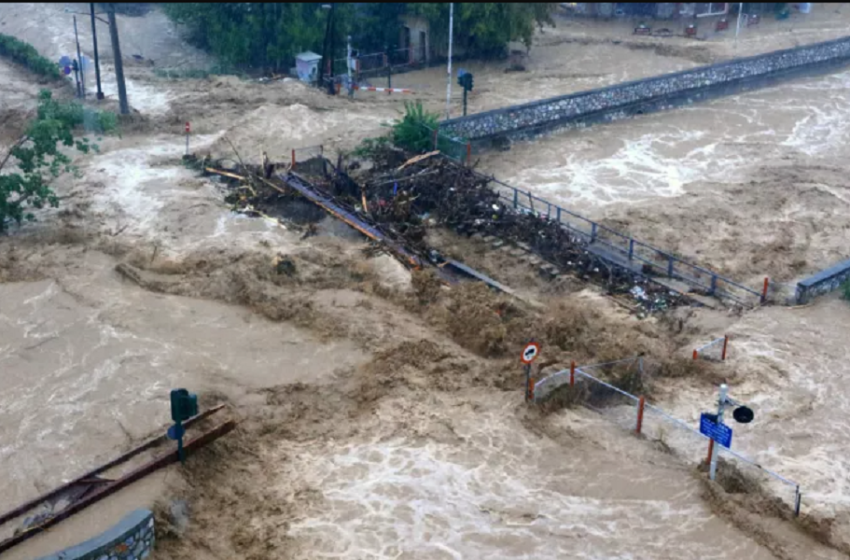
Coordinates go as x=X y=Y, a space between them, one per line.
x=131 y=539
x=823 y=282
x=651 y=94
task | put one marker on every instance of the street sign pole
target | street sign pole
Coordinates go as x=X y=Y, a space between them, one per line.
x=724 y=390
x=527 y=382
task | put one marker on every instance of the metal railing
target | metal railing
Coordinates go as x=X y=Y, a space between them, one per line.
x=612 y=245
x=675 y=436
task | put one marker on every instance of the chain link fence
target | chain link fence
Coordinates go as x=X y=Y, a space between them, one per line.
x=616 y=401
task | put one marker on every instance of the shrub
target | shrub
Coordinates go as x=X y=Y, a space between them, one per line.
x=26 y=55
x=36 y=157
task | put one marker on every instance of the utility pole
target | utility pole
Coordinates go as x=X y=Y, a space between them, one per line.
x=82 y=92
x=348 y=63
x=738 y=27
x=331 y=84
x=449 y=70
x=119 y=63
x=324 y=62
x=96 y=59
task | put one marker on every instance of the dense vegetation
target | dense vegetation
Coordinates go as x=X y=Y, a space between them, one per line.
x=26 y=55
x=268 y=36
x=36 y=158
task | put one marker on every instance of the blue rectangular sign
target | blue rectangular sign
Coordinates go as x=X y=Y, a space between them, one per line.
x=721 y=433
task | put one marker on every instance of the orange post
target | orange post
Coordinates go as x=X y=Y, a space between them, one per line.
x=530 y=389
x=725 y=344
x=572 y=374
x=468 y=153
x=764 y=290
x=293 y=158
x=710 y=451
x=639 y=425
x=696 y=354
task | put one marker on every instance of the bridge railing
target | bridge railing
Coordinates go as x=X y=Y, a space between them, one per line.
x=616 y=246
x=628 y=250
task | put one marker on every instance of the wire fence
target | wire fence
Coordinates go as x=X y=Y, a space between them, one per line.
x=714 y=351
x=612 y=400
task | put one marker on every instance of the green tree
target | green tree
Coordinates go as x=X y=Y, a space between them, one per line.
x=28 y=167
x=258 y=35
x=484 y=29
x=268 y=36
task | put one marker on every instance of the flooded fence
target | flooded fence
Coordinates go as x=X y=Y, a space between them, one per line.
x=714 y=351
x=650 y=94
x=577 y=386
x=617 y=248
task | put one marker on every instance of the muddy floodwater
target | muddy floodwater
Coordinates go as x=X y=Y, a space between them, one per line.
x=368 y=427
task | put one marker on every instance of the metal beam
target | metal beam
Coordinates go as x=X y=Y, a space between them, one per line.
x=116 y=485
x=92 y=475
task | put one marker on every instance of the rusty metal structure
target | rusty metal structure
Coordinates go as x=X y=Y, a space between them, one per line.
x=91 y=487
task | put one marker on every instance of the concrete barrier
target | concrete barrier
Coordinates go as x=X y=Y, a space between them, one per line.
x=823 y=282
x=650 y=94
x=131 y=539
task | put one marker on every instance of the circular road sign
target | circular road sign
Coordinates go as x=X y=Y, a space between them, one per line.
x=743 y=415
x=530 y=353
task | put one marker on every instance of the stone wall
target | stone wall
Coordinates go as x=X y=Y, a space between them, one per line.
x=131 y=539
x=823 y=282
x=650 y=94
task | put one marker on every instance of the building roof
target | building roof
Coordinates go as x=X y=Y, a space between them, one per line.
x=308 y=56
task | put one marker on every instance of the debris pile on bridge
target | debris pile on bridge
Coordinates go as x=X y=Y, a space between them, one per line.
x=403 y=196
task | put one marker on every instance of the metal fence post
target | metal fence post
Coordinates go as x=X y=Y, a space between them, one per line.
x=558 y=212
x=468 y=153
x=631 y=248
x=670 y=267
x=798 y=496
x=713 y=284
x=764 y=290
x=293 y=158
x=572 y=374
x=593 y=229
x=516 y=199
x=639 y=425
x=436 y=137
x=725 y=344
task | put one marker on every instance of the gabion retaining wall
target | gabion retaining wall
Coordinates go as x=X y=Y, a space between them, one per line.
x=651 y=94
x=131 y=539
x=823 y=282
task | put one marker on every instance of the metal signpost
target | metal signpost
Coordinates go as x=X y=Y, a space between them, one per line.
x=529 y=354
x=464 y=80
x=712 y=425
x=184 y=405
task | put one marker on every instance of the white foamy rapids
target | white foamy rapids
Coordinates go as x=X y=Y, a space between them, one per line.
x=488 y=487
x=657 y=155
